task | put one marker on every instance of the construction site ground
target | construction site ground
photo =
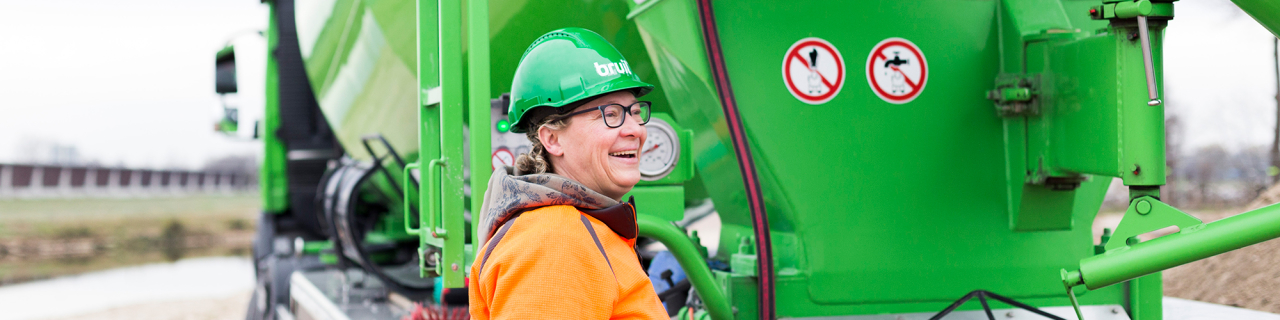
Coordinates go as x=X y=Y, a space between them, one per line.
x=1247 y=278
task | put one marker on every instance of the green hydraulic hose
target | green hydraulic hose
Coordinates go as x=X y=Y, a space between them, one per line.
x=691 y=260
x=1191 y=244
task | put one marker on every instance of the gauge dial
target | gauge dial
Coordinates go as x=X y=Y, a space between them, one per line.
x=660 y=151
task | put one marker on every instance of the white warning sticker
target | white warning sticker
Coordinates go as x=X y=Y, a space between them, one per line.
x=813 y=70
x=897 y=70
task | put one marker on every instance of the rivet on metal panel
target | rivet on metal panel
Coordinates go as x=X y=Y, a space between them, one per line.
x=1137 y=170
x=454 y=267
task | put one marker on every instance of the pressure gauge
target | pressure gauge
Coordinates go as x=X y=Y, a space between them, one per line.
x=660 y=151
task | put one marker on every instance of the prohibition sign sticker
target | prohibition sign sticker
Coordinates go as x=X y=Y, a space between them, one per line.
x=813 y=70
x=896 y=70
x=502 y=158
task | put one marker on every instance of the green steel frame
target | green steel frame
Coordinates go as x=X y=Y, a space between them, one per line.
x=274 y=183
x=997 y=174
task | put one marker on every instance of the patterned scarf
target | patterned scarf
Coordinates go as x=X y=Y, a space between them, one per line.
x=508 y=195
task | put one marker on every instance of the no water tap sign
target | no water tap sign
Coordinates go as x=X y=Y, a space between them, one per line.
x=813 y=70
x=896 y=70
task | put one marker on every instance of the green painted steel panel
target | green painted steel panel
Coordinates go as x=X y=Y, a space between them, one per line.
x=853 y=187
x=844 y=184
x=875 y=207
x=1265 y=12
x=273 y=182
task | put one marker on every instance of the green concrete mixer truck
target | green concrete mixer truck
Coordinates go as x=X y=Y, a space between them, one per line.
x=964 y=159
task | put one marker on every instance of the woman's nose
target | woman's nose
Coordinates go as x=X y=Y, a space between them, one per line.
x=632 y=127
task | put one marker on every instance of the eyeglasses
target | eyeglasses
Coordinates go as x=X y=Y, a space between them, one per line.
x=614 y=114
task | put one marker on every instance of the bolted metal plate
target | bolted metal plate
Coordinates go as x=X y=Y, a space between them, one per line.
x=1096 y=312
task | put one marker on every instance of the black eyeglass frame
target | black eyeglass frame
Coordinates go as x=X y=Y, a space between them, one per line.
x=626 y=110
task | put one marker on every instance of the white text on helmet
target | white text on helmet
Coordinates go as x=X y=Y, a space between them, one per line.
x=609 y=69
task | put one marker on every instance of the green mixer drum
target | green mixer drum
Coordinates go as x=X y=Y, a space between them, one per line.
x=361 y=57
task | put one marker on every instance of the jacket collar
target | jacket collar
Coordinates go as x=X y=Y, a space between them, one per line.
x=509 y=195
x=620 y=218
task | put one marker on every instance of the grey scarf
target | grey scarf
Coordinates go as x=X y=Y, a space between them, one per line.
x=508 y=195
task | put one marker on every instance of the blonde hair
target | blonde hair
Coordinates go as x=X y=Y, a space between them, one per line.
x=536 y=160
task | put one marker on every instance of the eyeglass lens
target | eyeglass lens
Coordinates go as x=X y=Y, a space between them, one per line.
x=613 y=113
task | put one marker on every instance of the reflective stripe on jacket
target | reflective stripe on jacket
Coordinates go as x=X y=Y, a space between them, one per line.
x=559 y=262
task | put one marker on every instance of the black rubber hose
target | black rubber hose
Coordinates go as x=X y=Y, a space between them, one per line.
x=755 y=199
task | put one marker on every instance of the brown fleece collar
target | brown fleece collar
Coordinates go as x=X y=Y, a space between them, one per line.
x=620 y=218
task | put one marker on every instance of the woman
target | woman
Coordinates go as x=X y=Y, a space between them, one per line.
x=557 y=241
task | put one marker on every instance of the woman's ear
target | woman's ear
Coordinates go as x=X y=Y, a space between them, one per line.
x=550 y=141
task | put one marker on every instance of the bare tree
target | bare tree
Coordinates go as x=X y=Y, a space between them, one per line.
x=1250 y=166
x=1275 y=142
x=1173 y=141
x=1205 y=171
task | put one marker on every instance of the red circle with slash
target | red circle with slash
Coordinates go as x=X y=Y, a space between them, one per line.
x=813 y=70
x=897 y=70
x=502 y=157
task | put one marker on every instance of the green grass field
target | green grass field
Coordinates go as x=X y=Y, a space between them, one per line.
x=52 y=218
x=119 y=232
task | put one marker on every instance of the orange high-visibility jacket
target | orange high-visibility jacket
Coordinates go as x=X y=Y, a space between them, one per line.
x=559 y=262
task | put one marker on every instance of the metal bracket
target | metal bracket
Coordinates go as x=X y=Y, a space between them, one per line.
x=1138 y=10
x=1015 y=95
x=1146 y=214
x=431 y=97
x=1069 y=281
x=744 y=261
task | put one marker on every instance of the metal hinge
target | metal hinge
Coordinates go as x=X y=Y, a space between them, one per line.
x=1015 y=95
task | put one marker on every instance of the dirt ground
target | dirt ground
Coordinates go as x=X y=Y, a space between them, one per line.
x=1247 y=278
x=226 y=308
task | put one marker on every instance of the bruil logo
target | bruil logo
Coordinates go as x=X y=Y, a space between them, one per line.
x=609 y=69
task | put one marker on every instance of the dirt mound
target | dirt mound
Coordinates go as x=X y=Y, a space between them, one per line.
x=1247 y=278
x=1268 y=197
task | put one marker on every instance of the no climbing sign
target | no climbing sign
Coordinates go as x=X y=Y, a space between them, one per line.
x=896 y=70
x=813 y=70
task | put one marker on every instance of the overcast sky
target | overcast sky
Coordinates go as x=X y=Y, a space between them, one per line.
x=1220 y=75
x=126 y=82
x=131 y=82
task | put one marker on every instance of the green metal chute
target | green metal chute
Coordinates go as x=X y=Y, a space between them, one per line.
x=1265 y=12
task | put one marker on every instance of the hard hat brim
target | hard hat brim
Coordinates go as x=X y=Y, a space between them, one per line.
x=639 y=88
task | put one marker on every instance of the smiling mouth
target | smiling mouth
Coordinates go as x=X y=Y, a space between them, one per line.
x=624 y=154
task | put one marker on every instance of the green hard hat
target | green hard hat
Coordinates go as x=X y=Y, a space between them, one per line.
x=566 y=66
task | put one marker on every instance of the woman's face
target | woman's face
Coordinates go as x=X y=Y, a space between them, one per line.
x=604 y=159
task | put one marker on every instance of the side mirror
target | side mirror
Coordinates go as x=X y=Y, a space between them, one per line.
x=225 y=71
x=224 y=83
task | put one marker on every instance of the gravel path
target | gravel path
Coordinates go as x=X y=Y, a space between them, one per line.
x=223 y=308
